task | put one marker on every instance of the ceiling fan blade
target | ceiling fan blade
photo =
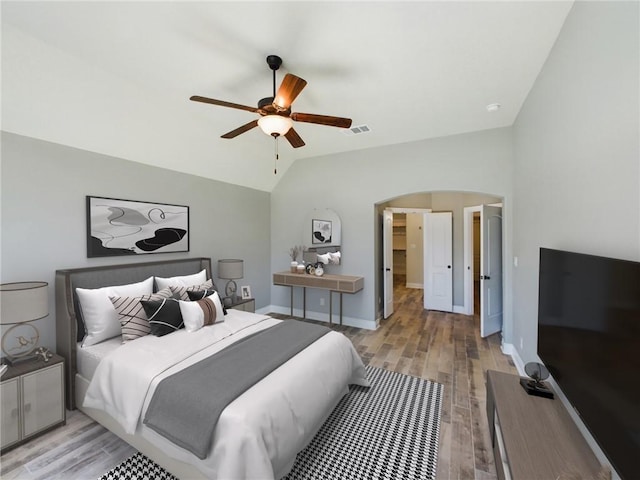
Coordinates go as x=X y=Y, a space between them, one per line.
x=294 y=138
x=290 y=88
x=321 y=119
x=244 y=128
x=222 y=103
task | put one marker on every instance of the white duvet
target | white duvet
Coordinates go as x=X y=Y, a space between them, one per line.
x=259 y=433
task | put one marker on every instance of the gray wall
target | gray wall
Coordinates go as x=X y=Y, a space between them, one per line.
x=43 y=215
x=353 y=183
x=576 y=184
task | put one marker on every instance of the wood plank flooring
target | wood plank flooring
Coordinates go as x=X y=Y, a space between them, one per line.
x=437 y=346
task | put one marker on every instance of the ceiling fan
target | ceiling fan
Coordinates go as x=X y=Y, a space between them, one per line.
x=276 y=118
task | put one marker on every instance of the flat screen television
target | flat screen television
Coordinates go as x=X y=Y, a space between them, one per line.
x=589 y=339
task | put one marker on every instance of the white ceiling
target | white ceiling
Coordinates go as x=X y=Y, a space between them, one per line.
x=116 y=77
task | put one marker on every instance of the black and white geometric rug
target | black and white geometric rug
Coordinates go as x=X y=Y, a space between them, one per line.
x=387 y=431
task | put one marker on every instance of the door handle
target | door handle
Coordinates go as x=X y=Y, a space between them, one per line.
x=388 y=269
x=448 y=266
x=485 y=277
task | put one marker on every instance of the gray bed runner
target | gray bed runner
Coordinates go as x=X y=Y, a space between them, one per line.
x=185 y=406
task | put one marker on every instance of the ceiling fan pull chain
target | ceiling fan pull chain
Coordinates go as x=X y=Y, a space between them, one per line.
x=275 y=161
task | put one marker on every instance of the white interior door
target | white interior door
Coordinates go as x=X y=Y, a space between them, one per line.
x=438 y=255
x=490 y=270
x=387 y=247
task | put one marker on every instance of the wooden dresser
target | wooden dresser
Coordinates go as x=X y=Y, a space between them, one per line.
x=534 y=437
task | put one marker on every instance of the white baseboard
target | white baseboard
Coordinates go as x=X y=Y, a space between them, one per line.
x=321 y=317
x=510 y=349
x=415 y=285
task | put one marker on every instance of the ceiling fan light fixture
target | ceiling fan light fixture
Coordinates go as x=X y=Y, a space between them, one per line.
x=275 y=125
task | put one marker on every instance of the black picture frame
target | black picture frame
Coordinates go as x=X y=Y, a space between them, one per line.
x=117 y=227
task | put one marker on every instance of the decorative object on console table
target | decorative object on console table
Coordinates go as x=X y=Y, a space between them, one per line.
x=20 y=303
x=159 y=228
x=535 y=386
x=295 y=252
x=230 y=269
x=32 y=395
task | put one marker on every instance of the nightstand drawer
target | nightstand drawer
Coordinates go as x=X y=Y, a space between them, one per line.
x=42 y=399
x=10 y=412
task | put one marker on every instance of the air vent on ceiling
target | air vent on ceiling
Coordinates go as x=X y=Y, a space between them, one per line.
x=356 y=130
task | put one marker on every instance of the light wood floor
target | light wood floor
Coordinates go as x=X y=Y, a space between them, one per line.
x=446 y=348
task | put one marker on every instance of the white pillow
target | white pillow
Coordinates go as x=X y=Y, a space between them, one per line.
x=323 y=258
x=101 y=320
x=199 y=313
x=182 y=281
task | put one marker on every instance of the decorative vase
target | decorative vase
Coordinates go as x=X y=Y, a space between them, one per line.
x=300 y=268
x=294 y=267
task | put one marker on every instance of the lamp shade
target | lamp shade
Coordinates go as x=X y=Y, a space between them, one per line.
x=230 y=268
x=23 y=302
x=275 y=124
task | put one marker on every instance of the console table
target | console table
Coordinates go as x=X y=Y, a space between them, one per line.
x=334 y=283
x=534 y=437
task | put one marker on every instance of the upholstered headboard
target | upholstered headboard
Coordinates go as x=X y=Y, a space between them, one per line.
x=69 y=326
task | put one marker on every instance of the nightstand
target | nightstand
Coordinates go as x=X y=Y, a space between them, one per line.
x=32 y=400
x=246 y=304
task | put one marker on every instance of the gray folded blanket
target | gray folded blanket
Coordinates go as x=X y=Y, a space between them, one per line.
x=185 y=406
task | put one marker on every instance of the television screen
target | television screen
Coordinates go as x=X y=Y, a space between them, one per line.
x=589 y=339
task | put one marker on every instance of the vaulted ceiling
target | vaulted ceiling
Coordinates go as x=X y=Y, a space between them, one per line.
x=116 y=77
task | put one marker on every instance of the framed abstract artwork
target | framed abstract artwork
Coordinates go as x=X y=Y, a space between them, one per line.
x=320 y=231
x=128 y=227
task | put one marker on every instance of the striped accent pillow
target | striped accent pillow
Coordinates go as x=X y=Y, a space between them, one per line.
x=200 y=313
x=182 y=292
x=134 y=322
x=200 y=294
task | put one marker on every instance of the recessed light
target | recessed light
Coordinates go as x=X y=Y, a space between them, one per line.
x=493 y=107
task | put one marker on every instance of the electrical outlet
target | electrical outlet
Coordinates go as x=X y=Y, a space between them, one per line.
x=521 y=343
x=322 y=301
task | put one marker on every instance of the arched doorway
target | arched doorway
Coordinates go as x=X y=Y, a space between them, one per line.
x=462 y=262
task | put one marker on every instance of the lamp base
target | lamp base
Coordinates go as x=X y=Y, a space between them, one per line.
x=230 y=289
x=13 y=361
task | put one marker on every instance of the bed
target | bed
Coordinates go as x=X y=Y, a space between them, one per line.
x=257 y=435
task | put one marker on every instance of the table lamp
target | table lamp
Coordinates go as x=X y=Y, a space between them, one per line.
x=230 y=269
x=20 y=303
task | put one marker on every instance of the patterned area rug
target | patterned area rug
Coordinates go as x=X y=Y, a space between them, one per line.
x=388 y=431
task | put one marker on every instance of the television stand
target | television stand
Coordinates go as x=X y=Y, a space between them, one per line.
x=532 y=436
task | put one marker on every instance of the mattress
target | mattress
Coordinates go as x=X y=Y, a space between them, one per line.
x=89 y=357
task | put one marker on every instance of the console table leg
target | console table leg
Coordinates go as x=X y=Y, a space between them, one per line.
x=291 y=302
x=340 y=308
x=304 y=302
x=330 y=305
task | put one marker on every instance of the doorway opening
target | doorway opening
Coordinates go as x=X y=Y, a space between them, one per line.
x=470 y=282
